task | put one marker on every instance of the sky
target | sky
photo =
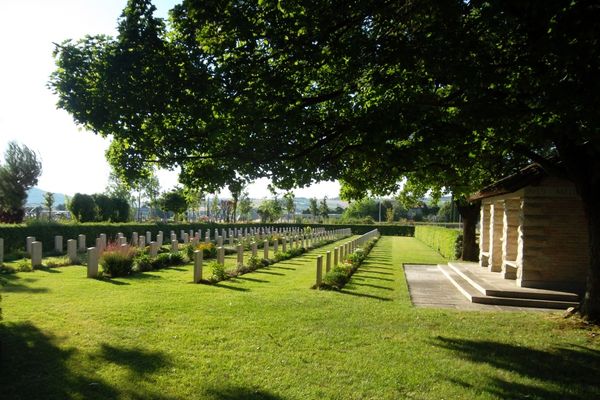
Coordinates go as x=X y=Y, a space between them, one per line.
x=72 y=158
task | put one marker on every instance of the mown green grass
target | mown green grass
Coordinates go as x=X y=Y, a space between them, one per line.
x=266 y=335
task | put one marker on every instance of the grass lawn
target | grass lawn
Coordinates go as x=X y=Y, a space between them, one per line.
x=266 y=335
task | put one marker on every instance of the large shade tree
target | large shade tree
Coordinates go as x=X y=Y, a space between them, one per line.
x=310 y=90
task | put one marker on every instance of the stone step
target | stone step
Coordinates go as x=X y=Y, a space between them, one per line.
x=474 y=294
x=524 y=293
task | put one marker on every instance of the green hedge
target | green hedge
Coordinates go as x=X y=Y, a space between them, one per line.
x=14 y=235
x=444 y=240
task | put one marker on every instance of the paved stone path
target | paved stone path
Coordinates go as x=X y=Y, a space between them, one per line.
x=428 y=287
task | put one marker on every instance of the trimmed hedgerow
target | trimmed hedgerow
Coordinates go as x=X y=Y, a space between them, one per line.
x=448 y=242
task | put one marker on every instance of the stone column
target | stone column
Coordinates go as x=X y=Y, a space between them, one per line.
x=231 y=238
x=207 y=237
x=1 y=251
x=159 y=238
x=28 y=241
x=254 y=250
x=174 y=246
x=219 y=241
x=240 y=255
x=36 y=254
x=328 y=261
x=484 y=235
x=186 y=238
x=496 y=228
x=510 y=234
x=92 y=267
x=142 y=242
x=134 y=238
x=198 y=266
x=319 y=270
x=81 y=242
x=284 y=244
x=275 y=245
x=72 y=251
x=104 y=241
x=266 y=249
x=58 y=244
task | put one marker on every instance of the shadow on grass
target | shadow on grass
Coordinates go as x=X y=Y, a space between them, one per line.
x=555 y=374
x=138 y=362
x=244 y=278
x=366 y=295
x=113 y=281
x=16 y=284
x=373 y=270
x=364 y=275
x=239 y=289
x=33 y=367
x=262 y=271
x=371 y=285
x=276 y=267
x=238 y=393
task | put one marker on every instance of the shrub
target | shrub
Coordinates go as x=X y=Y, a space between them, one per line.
x=58 y=262
x=176 y=259
x=209 y=250
x=336 y=278
x=117 y=261
x=143 y=263
x=162 y=260
x=280 y=256
x=219 y=272
x=24 y=266
x=254 y=263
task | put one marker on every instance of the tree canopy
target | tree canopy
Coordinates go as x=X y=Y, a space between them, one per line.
x=18 y=174
x=367 y=91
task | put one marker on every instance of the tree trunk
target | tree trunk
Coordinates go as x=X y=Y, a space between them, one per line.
x=590 y=306
x=469 y=213
x=582 y=163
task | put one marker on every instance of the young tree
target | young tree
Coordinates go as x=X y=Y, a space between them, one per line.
x=313 y=206
x=290 y=206
x=324 y=208
x=49 y=203
x=18 y=174
x=174 y=201
x=245 y=206
x=236 y=188
x=270 y=210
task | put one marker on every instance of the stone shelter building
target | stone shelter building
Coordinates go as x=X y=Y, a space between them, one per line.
x=533 y=229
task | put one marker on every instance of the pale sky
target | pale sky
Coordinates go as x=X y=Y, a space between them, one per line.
x=72 y=158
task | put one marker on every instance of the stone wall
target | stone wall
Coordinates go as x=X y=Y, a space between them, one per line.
x=555 y=236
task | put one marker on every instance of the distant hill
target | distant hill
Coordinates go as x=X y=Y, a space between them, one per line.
x=35 y=197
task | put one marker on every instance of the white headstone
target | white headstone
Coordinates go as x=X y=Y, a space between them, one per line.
x=72 y=250
x=197 y=266
x=36 y=254
x=58 y=244
x=92 y=267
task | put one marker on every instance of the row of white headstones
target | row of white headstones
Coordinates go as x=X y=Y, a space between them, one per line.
x=341 y=253
x=296 y=236
x=303 y=240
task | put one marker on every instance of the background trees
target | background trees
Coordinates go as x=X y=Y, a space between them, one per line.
x=18 y=173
